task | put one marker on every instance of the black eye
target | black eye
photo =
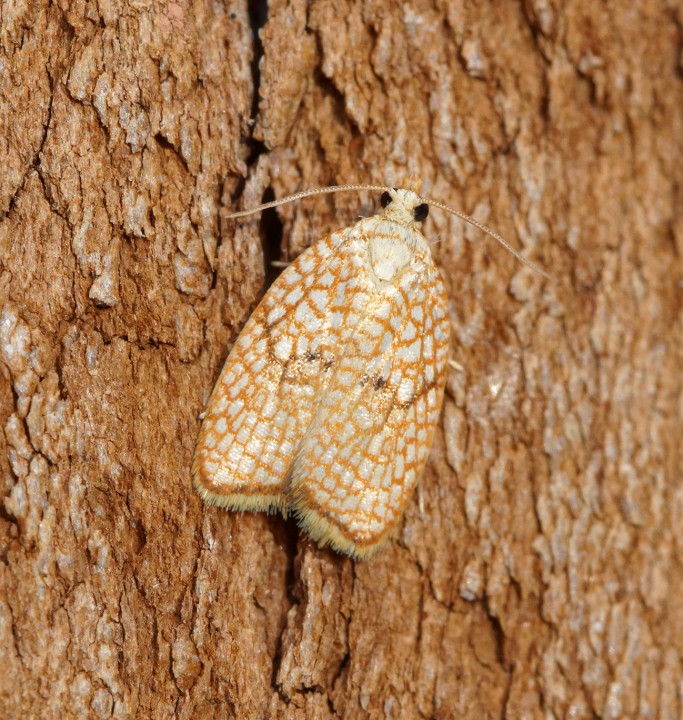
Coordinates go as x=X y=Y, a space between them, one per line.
x=421 y=211
x=385 y=199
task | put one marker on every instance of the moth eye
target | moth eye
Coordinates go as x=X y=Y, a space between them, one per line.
x=421 y=211
x=385 y=199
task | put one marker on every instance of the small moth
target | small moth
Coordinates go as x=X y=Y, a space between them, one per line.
x=327 y=404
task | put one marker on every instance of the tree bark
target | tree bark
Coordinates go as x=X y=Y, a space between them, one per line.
x=542 y=576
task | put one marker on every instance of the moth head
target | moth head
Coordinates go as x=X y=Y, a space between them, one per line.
x=404 y=206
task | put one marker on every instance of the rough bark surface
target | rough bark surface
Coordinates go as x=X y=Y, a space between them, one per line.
x=542 y=578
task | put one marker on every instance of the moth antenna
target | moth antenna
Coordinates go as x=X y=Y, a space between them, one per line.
x=490 y=232
x=382 y=188
x=306 y=193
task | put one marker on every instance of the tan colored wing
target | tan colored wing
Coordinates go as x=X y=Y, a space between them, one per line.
x=279 y=368
x=368 y=442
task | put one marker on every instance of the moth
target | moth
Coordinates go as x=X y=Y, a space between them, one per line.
x=328 y=401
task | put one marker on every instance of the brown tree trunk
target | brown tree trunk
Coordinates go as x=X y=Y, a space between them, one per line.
x=542 y=578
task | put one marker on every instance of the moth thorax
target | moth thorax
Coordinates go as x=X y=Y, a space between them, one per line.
x=388 y=255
